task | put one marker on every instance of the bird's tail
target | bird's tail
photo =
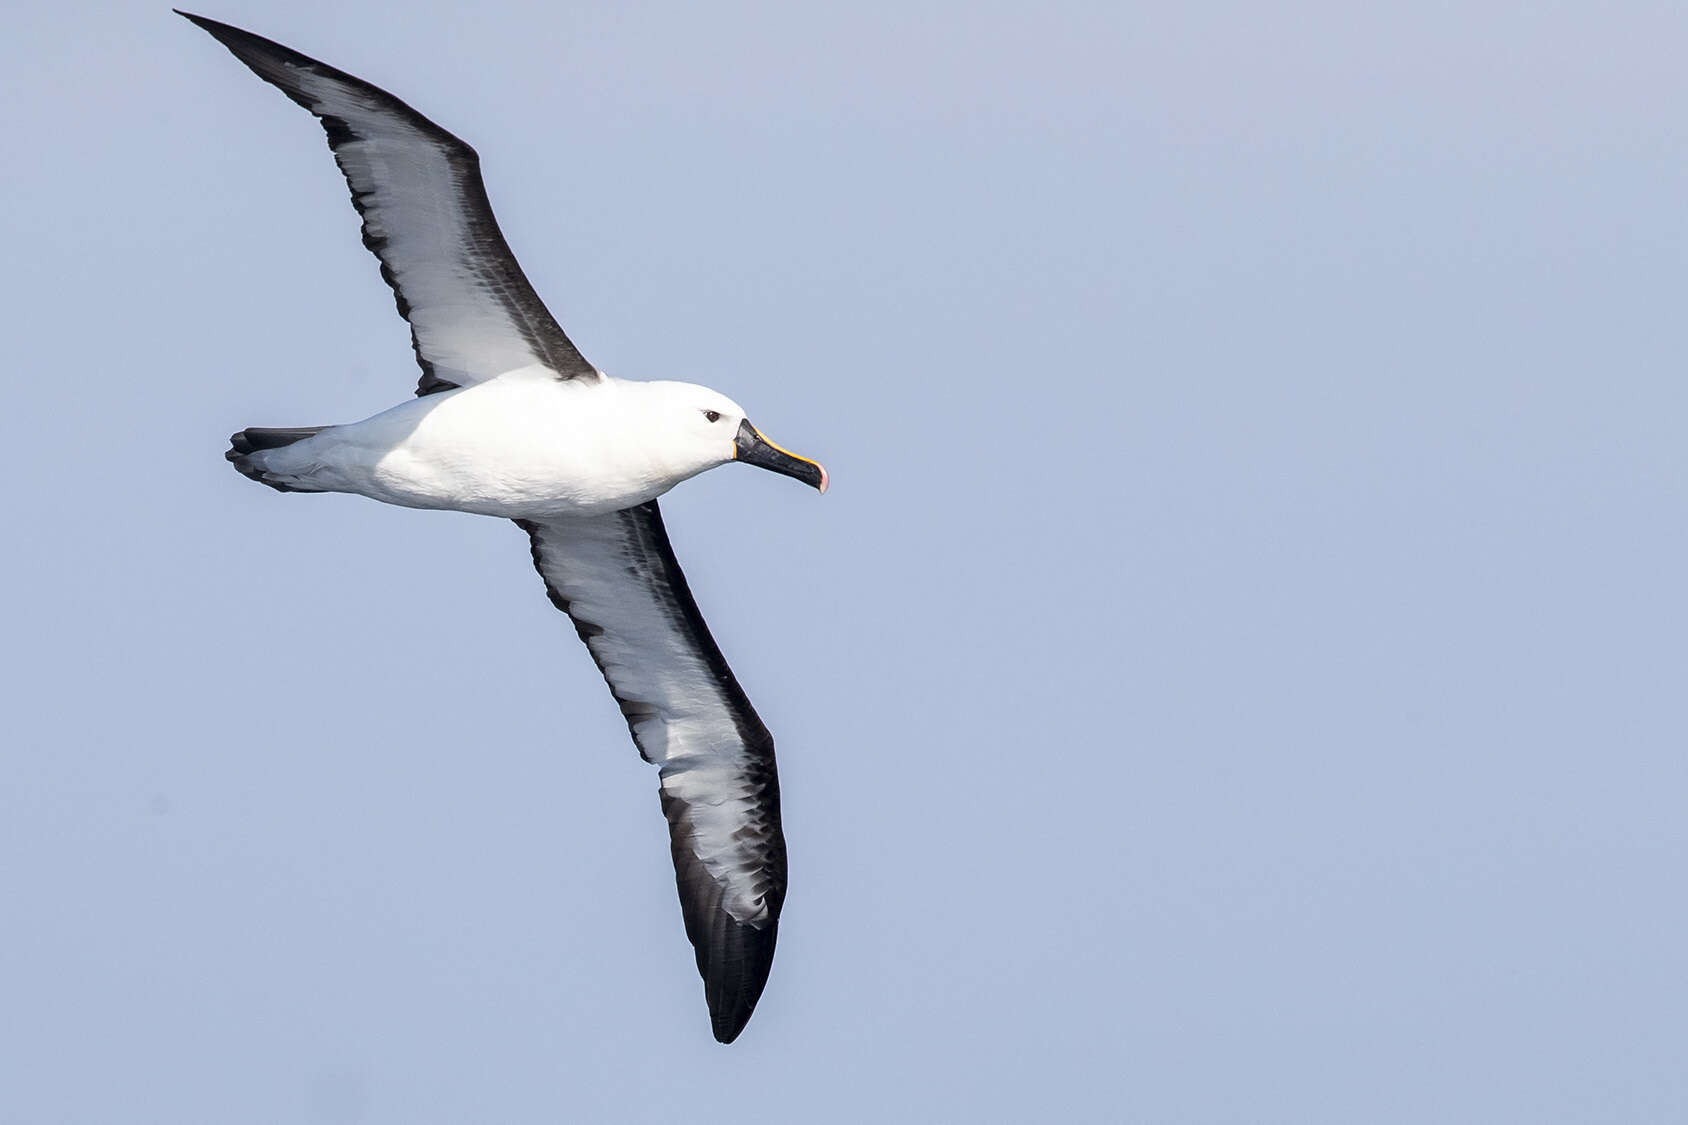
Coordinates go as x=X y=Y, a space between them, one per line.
x=256 y=439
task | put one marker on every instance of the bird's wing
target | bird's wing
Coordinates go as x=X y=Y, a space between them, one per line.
x=616 y=576
x=472 y=313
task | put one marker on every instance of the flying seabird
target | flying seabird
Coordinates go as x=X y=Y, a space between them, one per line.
x=511 y=420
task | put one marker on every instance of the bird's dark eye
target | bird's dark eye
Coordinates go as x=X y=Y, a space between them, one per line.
x=712 y=415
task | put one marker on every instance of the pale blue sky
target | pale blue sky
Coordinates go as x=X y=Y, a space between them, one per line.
x=1237 y=675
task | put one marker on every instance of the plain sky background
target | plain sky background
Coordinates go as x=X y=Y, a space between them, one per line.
x=1237 y=675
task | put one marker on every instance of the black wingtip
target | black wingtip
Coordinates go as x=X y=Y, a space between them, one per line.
x=734 y=966
x=264 y=56
x=202 y=21
x=205 y=21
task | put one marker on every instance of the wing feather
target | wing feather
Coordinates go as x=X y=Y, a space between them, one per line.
x=617 y=578
x=473 y=315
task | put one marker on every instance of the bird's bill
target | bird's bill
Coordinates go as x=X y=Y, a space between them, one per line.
x=751 y=447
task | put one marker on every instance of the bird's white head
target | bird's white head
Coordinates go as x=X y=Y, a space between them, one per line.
x=700 y=428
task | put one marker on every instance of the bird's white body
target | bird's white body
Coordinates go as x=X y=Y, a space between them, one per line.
x=525 y=445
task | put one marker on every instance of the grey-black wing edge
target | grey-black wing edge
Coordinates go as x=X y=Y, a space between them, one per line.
x=497 y=280
x=721 y=800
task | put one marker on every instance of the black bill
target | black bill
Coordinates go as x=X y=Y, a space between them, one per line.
x=752 y=448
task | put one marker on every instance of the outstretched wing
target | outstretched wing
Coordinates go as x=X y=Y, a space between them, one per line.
x=616 y=576
x=472 y=313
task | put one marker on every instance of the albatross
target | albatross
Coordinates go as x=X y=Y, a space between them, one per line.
x=510 y=420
